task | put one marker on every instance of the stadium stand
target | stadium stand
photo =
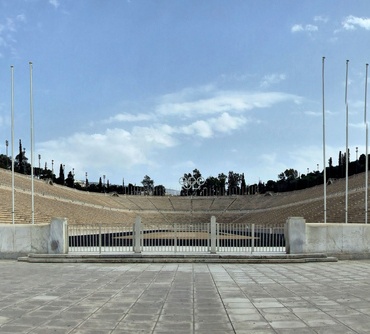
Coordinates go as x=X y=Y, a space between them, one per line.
x=80 y=207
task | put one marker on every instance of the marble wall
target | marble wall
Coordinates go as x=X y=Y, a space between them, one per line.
x=21 y=239
x=341 y=240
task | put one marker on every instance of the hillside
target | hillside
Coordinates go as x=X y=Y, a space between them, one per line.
x=84 y=207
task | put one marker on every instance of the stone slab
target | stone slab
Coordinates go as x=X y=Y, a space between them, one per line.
x=184 y=298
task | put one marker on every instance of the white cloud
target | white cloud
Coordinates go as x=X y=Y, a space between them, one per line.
x=54 y=3
x=225 y=123
x=313 y=113
x=311 y=27
x=126 y=117
x=318 y=113
x=360 y=125
x=308 y=27
x=8 y=29
x=129 y=149
x=21 y=17
x=216 y=101
x=297 y=28
x=320 y=18
x=156 y=135
x=352 y=22
x=271 y=79
x=10 y=25
x=125 y=148
x=200 y=128
x=200 y=113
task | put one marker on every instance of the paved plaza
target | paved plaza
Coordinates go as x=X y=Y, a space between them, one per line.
x=185 y=298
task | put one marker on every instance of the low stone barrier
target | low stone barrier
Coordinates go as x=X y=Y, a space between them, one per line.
x=345 y=241
x=21 y=239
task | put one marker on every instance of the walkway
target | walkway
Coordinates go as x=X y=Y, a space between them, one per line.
x=172 y=298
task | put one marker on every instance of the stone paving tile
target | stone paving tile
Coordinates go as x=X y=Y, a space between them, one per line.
x=13 y=328
x=132 y=326
x=97 y=331
x=64 y=323
x=336 y=330
x=294 y=331
x=321 y=298
x=289 y=324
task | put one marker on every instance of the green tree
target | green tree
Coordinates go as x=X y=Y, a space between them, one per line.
x=233 y=181
x=222 y=181
x=5 y=161
x=193 y=184
x=243 y=186
x=289 y=175
x=270 y=185
x=148 y=185
x=211 y=186
x=70 y=180
x=19 y=158
x=60 y=179
x=21 y=161
x=100 y=185
x=159 y=190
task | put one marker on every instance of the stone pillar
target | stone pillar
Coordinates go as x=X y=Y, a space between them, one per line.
x=213 y=234
x=137 y=235
x=253 y=239
x=58 y=236
x=295 y=235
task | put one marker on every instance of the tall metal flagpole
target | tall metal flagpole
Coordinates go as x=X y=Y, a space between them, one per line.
x=347 y=158
x=323 y=134
x=12 y=134
x=32 y=144
x=366 y=151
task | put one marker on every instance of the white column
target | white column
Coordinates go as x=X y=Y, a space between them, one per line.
x=213 y=234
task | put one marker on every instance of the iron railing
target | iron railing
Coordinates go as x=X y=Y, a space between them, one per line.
x=176 y=238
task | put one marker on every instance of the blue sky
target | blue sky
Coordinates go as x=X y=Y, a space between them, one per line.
x=133 y=88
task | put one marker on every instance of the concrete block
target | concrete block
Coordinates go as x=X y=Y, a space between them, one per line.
x=295 y=235
x=58 y=237
x=20 y=239
x=39 y=238
x=342 y=240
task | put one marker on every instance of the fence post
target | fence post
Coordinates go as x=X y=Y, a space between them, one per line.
x=137 y=235
x=213 y=235
x=252 y=241
x=175 y=237
x=99 y=238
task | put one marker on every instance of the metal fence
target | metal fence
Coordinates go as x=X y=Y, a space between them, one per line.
x=176 y=238
x=99 y=238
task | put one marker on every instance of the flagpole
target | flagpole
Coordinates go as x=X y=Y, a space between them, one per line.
x=32 y=144
x=347 y=158
x=12 y=135
x=323 y=134
x=366 y=151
